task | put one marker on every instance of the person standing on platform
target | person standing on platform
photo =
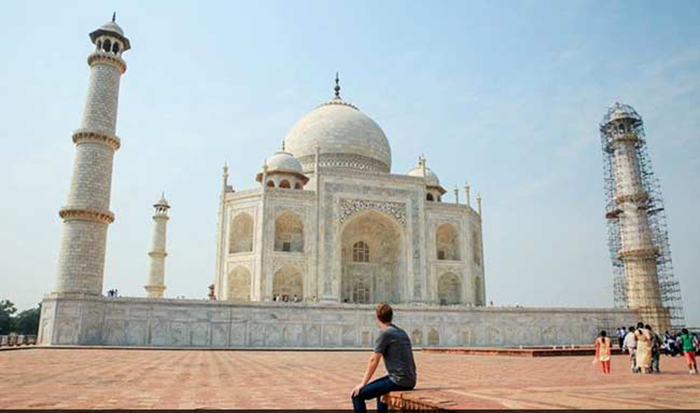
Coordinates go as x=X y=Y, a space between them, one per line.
x=688 y=343
x=643 y=349
x=603 y=350
x=630 y=344
x=655 y=350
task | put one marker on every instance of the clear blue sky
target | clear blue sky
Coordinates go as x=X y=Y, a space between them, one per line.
x=507 y=95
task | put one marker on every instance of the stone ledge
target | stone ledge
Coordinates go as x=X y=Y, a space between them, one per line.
x=552 y=351
x=437 y=400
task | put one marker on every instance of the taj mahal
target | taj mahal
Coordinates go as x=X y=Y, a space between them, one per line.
x=325 y=230
x=329 y=222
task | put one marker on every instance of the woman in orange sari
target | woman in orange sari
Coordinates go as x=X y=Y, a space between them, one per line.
x=603 y=346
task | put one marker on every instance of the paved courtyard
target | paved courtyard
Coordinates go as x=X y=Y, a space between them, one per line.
x=188 y=379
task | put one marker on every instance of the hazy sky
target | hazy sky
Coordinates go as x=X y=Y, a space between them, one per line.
x=507 y=95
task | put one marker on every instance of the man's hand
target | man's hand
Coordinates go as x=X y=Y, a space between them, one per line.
x=356 y=390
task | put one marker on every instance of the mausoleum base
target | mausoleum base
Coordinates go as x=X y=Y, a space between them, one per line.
x=96 y=320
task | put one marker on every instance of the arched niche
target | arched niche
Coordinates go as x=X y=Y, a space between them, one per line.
x=449 y=289
x=239 y=284
x=289 y=232
x=447 y=242
x=241 y=233
x=288 y=283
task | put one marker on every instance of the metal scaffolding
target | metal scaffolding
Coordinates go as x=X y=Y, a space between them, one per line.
x=621 y=173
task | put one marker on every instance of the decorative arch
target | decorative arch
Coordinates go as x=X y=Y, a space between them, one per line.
x=433 y=337
x=417 y=337
x=447 y=242
x=372 y=259
x=288 y=283
x=449 y=289
x=238 y=284
x=429 y=197
x=285 y=184
x=298 y=186
x=270 y=184
x=289 y=232
x=241 y=233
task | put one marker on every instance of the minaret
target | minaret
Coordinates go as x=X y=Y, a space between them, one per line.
x=87 y=215
x=632 y=210
x=156 y=278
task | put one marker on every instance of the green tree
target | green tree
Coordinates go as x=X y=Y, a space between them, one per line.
x=27 y=322
x=7 y=322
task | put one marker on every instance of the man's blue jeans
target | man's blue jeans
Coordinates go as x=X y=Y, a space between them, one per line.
x=377 y=389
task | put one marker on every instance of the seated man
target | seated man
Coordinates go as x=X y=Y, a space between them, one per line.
x=395 y=346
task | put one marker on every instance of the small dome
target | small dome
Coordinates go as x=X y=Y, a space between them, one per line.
x=346 y=137
x=621 y=111
x=112 y=26
x=283 y=161
x=430 y=178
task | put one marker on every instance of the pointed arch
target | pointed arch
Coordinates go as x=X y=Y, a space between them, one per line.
x=288 y=283
x=241 y=233
x=449 y=289
x=433 y=337
x=289 y=232
x=447 y=242
x=238 y=284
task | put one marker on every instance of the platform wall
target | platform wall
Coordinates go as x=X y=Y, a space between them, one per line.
x=84 y=320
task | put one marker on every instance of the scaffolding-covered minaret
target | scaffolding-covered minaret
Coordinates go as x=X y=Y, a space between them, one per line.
x=637 y=231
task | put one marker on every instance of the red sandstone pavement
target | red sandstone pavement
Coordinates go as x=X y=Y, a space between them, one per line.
x=188 y=379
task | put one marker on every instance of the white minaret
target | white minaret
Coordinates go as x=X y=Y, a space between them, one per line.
x=87 y=215
x=156 y=278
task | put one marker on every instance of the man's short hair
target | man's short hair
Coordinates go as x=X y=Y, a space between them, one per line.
x=384 y=313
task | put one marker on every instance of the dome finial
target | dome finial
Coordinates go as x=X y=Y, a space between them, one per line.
x=282 y=144
x=114 y=16
x=337 y=85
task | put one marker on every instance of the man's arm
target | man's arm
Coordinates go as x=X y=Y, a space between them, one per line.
x=371 y=368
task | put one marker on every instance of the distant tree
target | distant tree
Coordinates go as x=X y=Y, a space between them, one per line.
x=7 y=322
x=27 y=322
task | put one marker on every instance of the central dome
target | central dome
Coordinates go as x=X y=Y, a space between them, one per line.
x=346 y=137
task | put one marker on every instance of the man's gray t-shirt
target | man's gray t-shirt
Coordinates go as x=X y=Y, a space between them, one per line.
x=395 y=347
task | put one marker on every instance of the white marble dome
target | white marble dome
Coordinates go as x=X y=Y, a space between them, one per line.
x=347 y=138
x=283 y=161
x=430 y=176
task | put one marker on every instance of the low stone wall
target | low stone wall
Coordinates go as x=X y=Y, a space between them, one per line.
x=17 y=340
x=90 y=320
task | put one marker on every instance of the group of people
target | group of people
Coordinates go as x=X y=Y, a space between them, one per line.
x=645 y=348
x=285 y=298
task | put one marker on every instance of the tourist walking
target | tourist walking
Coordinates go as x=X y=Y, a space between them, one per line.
x=656 y=344
x=394 y=345
x=643 y=349
x=621 y=333
x=688 y=343
x=603 y=350
x=630 y=344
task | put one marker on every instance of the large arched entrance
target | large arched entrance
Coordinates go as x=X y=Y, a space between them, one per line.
x=372 y=260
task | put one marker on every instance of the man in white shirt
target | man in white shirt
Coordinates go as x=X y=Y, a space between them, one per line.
x=630 y=343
